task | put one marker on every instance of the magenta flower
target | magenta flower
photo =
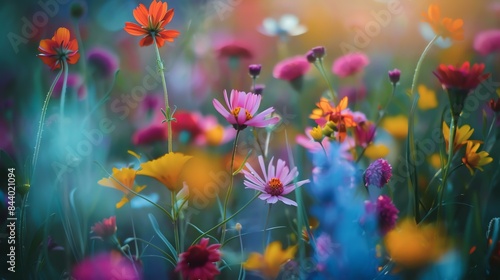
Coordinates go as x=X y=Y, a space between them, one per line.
x=378 y=173
x=198 y=261
x=106 y=228
x=386 y=213
x=291 y=68
x=275 y=183
x=107 y=266
x=242 y=108
x=487 y=42
x=73 y=84
x=102 y=61
x=350 y=64
x=234 y=49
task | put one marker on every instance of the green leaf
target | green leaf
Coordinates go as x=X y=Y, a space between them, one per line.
x=156 y=227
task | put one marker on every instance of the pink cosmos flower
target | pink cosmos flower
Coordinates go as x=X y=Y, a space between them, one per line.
x=242 y=108
x=487 y=42
x=277 y=181
x=350 y=64
x=291 y=68
x=198 y=261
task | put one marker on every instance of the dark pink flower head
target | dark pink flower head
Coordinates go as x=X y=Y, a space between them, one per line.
x=386 y=213
x=487 y=42
x=234 y=50
x=106 y=228
x=465 y=77
x=394 y=75
x=275 y=183
x=242 y=108
x=350 y=64
x=378 y=173
x=353 y=93
x=102 y=61
x=73 y=84
x=291 y=68
x=107 y=266
x=198 y=261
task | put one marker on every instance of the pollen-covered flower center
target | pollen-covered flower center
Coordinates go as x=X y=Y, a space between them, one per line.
x=236 y=111
x=274 y=187
x=197 y=257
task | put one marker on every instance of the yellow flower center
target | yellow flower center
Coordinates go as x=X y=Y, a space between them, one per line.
x=236 y=112
x=274 y=187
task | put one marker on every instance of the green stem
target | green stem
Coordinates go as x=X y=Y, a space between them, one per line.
x=63 y=94
x=168 y=115
x=226 y=220
x=451 y=141
x=264 y=240
x=175 y=221
x=321 y=69
x=411 y=157
x=230 y=188
x=41 y=123
x=22 y=225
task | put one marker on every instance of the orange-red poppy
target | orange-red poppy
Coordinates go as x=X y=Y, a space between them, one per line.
x=60 y=48
x=445 y=27
x=152 y=24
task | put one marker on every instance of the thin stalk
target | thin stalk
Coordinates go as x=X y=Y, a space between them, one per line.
x=168 y=115
x=230 y=188
x=266 y=145
x=264 y=240
x=175 y=221
x=63 y=93
x=411 y=157
x=453 y=129
x=226 y=220
x=241 y=274
x=41 y=123
x=321 y=69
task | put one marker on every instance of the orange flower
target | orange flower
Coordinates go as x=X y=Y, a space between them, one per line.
x=474 y=160
x=340 y=115
x=152 y=24
x=446 y=27
x=59 y=49
x=122 y=180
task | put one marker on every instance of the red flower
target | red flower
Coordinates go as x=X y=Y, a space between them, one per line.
x=152 y=24
x=463 y=78
x=59 y=49
x=234 y=49
x=106 y=228
x=198 y=261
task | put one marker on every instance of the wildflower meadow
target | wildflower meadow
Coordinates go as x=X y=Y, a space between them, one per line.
x=250 y=139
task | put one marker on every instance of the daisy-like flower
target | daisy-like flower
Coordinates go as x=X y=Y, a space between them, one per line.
x=474 y=160
x=459 y=81
x=198 y=261
x=288 y=25
x=152 y=24
x=122 y=180
x=269 y=264
x=106 y=228
x=275 y=183
x=166 y=169
x=60 y=48
x=350 y=64
x=242 y=108
x=462 y=136
x=445 y=27
x=340 y=116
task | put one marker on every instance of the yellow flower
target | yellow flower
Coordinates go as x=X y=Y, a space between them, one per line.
x=475 y=160
x=122 y=180
x=461 y=137
x=435 y=160
x=270 y=264
x=375 y=151
x=166 y=169
x=215 y=135
x=397 y=126
x=411 y=245
x=316 y=133
x=427 y=99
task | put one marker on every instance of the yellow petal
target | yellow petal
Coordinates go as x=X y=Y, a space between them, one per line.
x=427 y=98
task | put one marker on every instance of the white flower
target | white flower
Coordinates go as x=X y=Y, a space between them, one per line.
x=288 y=25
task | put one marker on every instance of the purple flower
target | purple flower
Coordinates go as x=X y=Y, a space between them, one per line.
x=107 y=266
x=242 y=108
x=254 y=70
x=386 y=213
x=74 y=83
x=378 y=173
x=104 y=62
x=487 y=42
x=291 y=68
x=258 y=89
x=350 y=64
x=394 y=75
x=275 y=183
